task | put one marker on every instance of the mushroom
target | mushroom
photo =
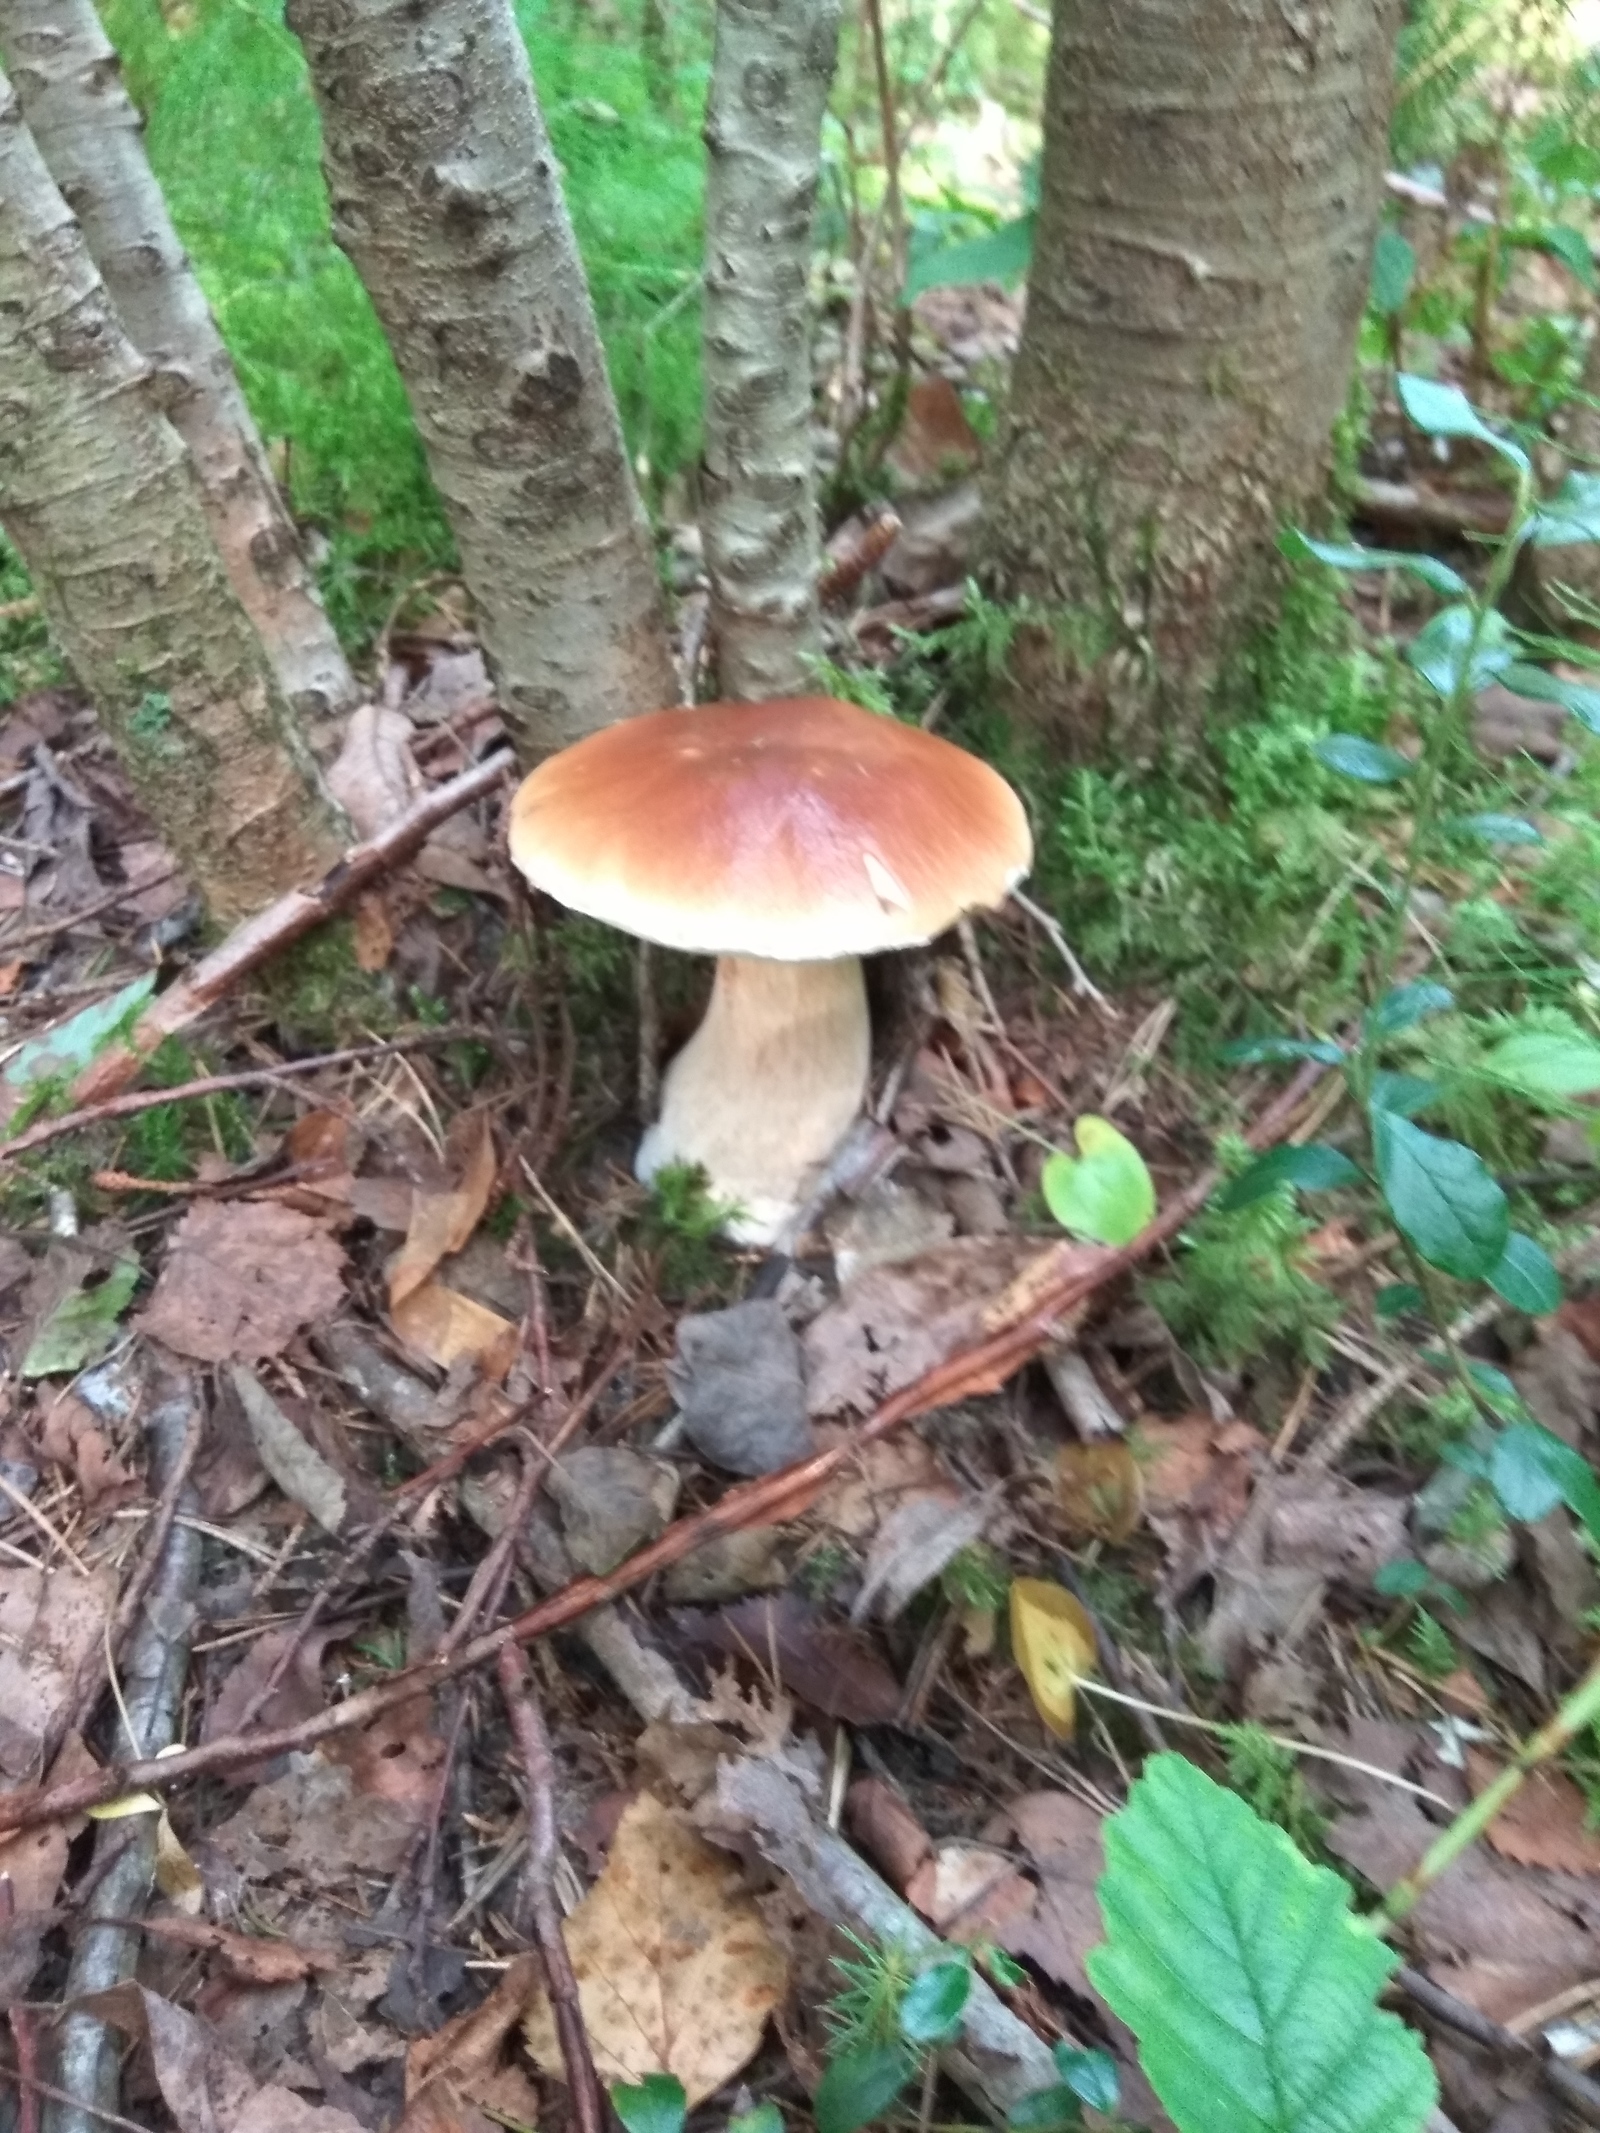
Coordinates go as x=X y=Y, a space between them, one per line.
x=788 y=839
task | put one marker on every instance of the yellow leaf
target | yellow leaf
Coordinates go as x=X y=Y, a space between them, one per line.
x=177 y=1876
x=1053 y=1639
x=1100 y=1490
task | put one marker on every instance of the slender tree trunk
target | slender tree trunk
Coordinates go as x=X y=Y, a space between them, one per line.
x=770 y=76
x=1210 y=192
x=69 y=84
x=98 y=494
x=447 y=198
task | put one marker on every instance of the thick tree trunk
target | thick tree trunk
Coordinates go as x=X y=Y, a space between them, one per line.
x=69 y=84
x=1209 y=197
x=98 y=494
x=770 y=76
x=447 y=199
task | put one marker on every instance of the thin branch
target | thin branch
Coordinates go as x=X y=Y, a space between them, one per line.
x=1576 y=2090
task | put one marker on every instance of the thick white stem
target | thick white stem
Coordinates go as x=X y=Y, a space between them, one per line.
x=770 y=76
x=69 y=84
x=447 y=198
x=767 y=1086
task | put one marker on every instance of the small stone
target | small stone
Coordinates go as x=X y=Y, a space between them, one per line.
x=739 y=1382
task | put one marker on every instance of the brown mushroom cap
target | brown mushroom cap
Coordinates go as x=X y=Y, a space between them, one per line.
x=797 y=830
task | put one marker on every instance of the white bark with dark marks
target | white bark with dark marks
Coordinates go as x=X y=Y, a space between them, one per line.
x=447 y=199
x=770 y=77
x=69 y=84
x=98 y=494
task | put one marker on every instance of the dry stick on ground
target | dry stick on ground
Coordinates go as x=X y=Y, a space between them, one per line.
x=24 y=2029
x=280 y=925
x=1062 y=1278
x=539 y=1767
x=1580 y=2095
x=69 y=919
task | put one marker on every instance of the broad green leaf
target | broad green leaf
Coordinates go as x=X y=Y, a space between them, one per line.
x=1543 y=1064
x=1404 y=1005
x=1526 y=1276
x=69 y=1049
x=1547 y=688
x=760 y=2118
x=1394 y=269
x=1445 y=411
x=1258 y=1051
x=1498 y=829
x=1570 y=517
x=1406 y=1093
x=1091 y=2075
x=1395 y=1298
x=1106 y=1193
x=657 y=2104
x=1562 y=242
x=1353 y=757
x=1498 y=1390
x=1313 y=1168
x=1237 y=1964
x=1003 y=255
x=1403 y=1579
x=935 y=2002
x=1441 y=1196
x=82 y=1326
x=1444 y=654
x=1531 y=1471
x=1046 y=2111
x=1346 y=555
x=858 y=2087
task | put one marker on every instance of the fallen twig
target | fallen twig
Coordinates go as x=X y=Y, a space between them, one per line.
x=539 y=1768
x=69 y=919
x=281 y=924
x=1576 y=2090
x=1063 y=1277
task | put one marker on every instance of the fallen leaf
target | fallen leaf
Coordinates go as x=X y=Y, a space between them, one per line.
x=1054 y=1643
x=49 y=1621
x=298 y=1695
x=1062 y=1841
x=241 y=1278
x=1544 y=1823
x=315 y=1823
x=443 y=1220
x=302 y=1473
x=36 y=1859
x=878 y=1478
x=612 y=1501
x=914 y=1544
x=249 y=1957
x=934 y=438
x=374 y=936
x=970 y=1892
x=373 y=777
x=177 y=1876
x=11 y=976
x=457 y=2081
x=71 y=1436
x=677 y=1972
x=82 y=1326
x=396 y=1758
x=1099 y=1490
x=447 y=1328
x=824 y=1664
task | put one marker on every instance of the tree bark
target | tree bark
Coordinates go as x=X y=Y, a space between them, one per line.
x=1210 y=190
x=69 y=84
x=97 y=492
x=447 y=199
x=771 y=71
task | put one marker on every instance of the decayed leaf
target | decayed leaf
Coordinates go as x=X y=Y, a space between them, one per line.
x=70 y=1434
x=1099 y=1490
x=1053 y=1639
x=204 y=2086
x=246 y=1956
x=302 y=1473
x=374 y=779
x=455 y=2079
x=442 y=1221
x=1545 y=1823
x=445 y=1326
x=970 y=1892
x=913 y=1545
x=821 y=1662
x=48 y=1621
x=676 y=1970
x=241 y=1278
x=1062 y=1839
x=82 y=1326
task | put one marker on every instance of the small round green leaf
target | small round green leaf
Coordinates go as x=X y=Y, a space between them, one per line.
x=1457 y=650
x=1499 y=1392
x=1106 y=1193
x=1522 y=1474
x=1442 y=1197
x=935 y=2002
x=1547 y=688
x=657 y=2104
x=1445 y=411
x=859 y=2087
x=1406 y=1093
x=1091 y=2075
x=1368 y=761
x=1526 y=1276
x=1313 y=1168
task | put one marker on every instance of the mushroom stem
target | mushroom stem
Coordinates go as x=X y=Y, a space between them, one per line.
x=767 y=1086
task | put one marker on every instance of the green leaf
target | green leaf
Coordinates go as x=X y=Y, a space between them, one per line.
x=1368 y=761
x=1498 y=829
x=1395 y=1298
x=1442 y=1197
x=1526 y=1276
x=657 y=2104
x=1562 y=242
x=1346 y=555
x=1394 y=269
x=1570 y=517
x=935 y=2002
x=1445 y=411
x=1531 y=1471
x=1258 y=1051
x=1498 y=1390
x=1405 y=1093
x=1105 y=1194
x=1313 y=1168
x=1405 y=1005
x=1547 y=688
x=69 y=1049
x=1541 y=1064
x=1444 y=654
x=82 y=1326
x=1046 y=2111
x=1238 y=1966
x=762 y=2118
x=1003 y=255
x=1403 y=1579
x=858 y=2087
x=1091 y=2075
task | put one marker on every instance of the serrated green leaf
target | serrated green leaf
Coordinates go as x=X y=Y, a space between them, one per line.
x=935 y=2002
x=1001 y=255
x=1442 y=1197
x=1394 y=269
x=1367 y=761
x=1260 y=1051
x=858 y=2087
x=1569 y=518
x=1105 y=1193
x=1547 y=688
x=82 y=1326
x=1346 y=555
x=1404 y=1005
x=1239 y=1967
x=1526 y=1276
x=1091 y=2075
x=1531 y=1471
x=1539 y=1063
x=1313 y=1168
x=657 y=2104
x=1444 y=654
x=1445 y=411
x=1498 y=829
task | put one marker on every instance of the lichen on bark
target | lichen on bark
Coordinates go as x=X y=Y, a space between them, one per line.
x=1210 y=191
x=771 y=71
x=447 y=199
x=98 y=495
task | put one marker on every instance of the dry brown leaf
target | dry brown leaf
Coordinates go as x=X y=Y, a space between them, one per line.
x=445 y=1326
x=11 y=976
x=443 y=1220
x=676 y=1969
x=396 y=1758
x=455 y=2079
x=914 y=1544
x=823 y=1663
x=934 y=438
x=36 y=1859
x=1544 y=1823
x=373 y=778
x=71 y=1436
x=316 y=1823
x=298 y=1468
x=204 y=2086
x=241 y=1278
x=245 y=1956
x=374 y=936
x=969 y=1892
x=1099 y=1491
x=1061 y=1838
x=49 y=1620
x=877 y=1480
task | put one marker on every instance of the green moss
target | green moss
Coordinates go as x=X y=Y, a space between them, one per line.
x=321 y=998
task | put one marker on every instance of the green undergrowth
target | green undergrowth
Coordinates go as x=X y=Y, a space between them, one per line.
x=233 y=138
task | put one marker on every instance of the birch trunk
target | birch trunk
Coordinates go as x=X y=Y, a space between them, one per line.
x=1210 y=190
x=771 y=71
x=69 y=85
x=447 y=199
x=98 y=494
